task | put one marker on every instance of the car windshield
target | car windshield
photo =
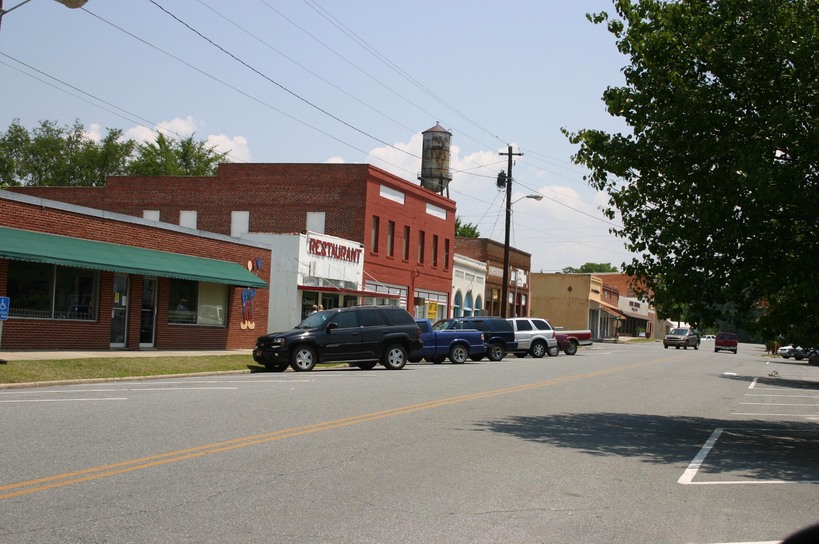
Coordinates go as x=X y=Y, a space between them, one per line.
x=679 y=332
x=315 y=320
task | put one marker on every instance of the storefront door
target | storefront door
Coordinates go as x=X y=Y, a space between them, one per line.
x=119 y=311
x=147 y=321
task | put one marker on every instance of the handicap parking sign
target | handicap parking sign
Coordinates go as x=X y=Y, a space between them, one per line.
x=5 y=302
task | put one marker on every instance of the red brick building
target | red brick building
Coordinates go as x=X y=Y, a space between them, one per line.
x=406 y=231
x=79 y=278
x=520 y=263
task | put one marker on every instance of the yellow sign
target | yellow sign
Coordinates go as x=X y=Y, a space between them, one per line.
x=432 y=310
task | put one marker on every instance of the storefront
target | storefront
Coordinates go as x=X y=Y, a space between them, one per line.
x=69 y=291
x=312 y=271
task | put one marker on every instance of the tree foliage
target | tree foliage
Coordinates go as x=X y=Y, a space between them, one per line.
x=590 y=268
x=717 y=181
x=169 y=157
x=466 y=230
x=53 y=155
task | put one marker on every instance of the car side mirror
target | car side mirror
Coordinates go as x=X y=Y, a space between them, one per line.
x=332 y=325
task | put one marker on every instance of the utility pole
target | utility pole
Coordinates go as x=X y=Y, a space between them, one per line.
x=505 y=288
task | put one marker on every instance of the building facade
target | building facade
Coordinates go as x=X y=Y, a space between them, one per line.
x=491 y=252
x=79 y=278
x=406 y=232
x=468 y=287
x=593 y=301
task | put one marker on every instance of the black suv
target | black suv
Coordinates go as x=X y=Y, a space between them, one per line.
x=362 y=335
x=498 y=334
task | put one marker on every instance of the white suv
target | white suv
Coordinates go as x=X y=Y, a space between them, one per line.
x=534 y=336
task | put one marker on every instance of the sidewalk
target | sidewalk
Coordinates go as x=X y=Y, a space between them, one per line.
x=33 y=355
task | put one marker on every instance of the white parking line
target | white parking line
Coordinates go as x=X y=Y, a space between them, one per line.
x=688 y=476
x=61 y=400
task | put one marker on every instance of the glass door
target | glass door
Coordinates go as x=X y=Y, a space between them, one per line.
x=119 y=311
x=147 y=326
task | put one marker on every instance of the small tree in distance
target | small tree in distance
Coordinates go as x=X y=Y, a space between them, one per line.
x=466 y=230
x=590 y=268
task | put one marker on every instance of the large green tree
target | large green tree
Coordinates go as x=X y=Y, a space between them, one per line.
x=60 y=155
x=52 y=155
x=716 y=179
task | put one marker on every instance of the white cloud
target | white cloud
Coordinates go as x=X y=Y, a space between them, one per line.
x=236 y=147
x=337 y=159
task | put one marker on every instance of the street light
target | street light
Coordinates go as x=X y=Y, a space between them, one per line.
x=72 y=4
x=509 y=202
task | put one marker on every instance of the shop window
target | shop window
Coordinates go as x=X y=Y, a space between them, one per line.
x=478 y=305
x=47 y=291
x=196 y=303
x=456 y=305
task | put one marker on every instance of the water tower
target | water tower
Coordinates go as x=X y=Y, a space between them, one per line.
x=435 y=174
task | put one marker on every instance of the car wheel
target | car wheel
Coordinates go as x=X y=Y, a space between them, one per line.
x=276 y=367
x=538 y=349
x=458 y=354
x=571 y=349
x=716 y=350
x=677 y=347
x=553 y=351
x=303 y=359
x=495 y=352
x=369 y=365
x=665 y=346
x=696 y=346
x=395 y=357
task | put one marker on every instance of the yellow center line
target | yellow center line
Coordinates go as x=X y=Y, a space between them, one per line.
x=76 y=477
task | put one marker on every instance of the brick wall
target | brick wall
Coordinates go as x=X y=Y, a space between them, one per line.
x=21 y=333
x=278 y=197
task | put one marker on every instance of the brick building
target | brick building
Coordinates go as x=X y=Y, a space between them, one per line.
x=406 y=231
x=79 y=278
x=520 y=263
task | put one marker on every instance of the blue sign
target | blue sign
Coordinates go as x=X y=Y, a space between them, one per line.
x=5 y=303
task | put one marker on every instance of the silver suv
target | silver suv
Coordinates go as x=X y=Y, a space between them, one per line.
x=534 y=336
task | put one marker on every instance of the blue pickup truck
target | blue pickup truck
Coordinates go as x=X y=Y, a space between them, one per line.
x=457 y=344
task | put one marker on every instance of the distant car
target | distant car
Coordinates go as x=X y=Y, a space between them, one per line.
x=708 y=337
x=682 y=337
x=726 y=341
x=792 y=351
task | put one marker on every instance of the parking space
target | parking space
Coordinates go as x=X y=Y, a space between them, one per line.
x=753 y=456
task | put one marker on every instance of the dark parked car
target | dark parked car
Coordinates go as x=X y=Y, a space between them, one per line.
x=682 y=337
x=726 y=341
x=361 y=335
x=498 y=334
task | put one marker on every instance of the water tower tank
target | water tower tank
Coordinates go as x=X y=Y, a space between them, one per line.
x=435 y=174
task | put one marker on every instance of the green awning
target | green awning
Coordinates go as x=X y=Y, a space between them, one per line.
x=38 y=247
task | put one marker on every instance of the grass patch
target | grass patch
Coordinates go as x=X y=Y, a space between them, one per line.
x=120 y=367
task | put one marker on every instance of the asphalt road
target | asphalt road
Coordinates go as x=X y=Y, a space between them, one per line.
x=620 y=443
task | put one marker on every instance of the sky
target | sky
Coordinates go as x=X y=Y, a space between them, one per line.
x=358 y=81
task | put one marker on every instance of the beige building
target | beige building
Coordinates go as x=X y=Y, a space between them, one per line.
x=578 y=301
